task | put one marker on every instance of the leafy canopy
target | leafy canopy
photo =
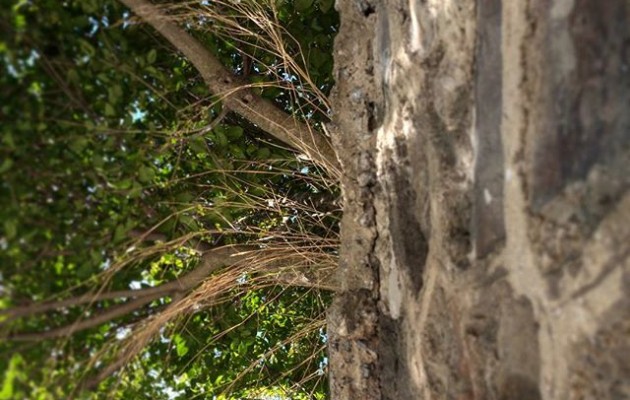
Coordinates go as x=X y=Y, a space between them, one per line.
x=120 y=170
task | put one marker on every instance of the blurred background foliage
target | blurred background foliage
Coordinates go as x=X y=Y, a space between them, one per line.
x=106 y=131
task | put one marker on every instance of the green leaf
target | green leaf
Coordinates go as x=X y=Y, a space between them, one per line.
x=120 y=233
x=271 y=92
x=263 y=153
x=114 y=94
x=180 y=345
x=152 y=56
x=6 y=165
x=103 y=77
x=325 y=5
x=135 y=191
x=10 y=228
x=146 y=174
x=10 y=375
x=303 y=5
x=221 y=138
x=234 y=132
x=84 y=271
x=73 y=76
x=95 y=257
x=87 y=47
x=188 y=222
x=89 y=6
x=124 y=184
x=154 y=72
x=78 y=144
x=109 y=110
x=198 y=145
x=7 y=138
x=184 y=197
x=20 y=22
x=237 y=151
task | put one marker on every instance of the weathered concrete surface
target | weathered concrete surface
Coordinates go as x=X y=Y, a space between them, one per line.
x=486 y=234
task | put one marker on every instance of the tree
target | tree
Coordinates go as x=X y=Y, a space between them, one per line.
x=485 y=232
x=151 y=187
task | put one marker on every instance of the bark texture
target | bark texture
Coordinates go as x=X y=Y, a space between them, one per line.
x=486 y=233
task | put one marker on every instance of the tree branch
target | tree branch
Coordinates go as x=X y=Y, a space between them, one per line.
x=38 y=308
x=70 y=329
x=237 y=97
x=130 y=352
x=210 y=261
x=235 y=253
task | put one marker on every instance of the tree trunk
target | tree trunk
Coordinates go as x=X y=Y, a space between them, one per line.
x=486 y=230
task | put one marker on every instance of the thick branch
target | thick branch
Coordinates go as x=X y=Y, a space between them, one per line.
x=97 y=320
x=238 y=98
x=38 y=308
x=211 y=261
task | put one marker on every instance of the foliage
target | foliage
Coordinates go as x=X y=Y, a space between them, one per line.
x=109 y=137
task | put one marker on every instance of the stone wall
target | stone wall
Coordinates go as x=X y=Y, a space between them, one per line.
x=486 y=232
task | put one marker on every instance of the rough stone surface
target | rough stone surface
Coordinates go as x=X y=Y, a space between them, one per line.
x=486 y=234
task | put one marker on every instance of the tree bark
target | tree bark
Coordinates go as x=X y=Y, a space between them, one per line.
x=487 y=213
x=235 y=92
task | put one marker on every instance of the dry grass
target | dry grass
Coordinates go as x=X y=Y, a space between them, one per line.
x=235 y=21
x=287 y=254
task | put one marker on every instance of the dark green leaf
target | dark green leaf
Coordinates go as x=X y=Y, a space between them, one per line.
x=325 y=5
x=6 y=165
x=303 y=5
x=152 y=56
